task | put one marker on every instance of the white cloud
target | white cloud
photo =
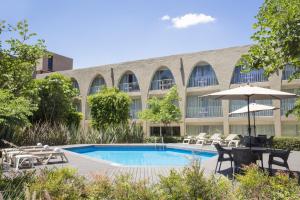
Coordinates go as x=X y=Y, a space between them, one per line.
x=190 y=19
x=166 y=18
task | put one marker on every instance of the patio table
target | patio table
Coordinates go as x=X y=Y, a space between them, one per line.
x=257 y=150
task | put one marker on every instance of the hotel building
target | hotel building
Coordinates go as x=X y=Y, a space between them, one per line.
x=194 y=74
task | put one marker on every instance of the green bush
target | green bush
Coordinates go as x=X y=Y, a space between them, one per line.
x=63 y=183
x=257 y=184
x=12 y=185
x=292 y=143
x=167 y=139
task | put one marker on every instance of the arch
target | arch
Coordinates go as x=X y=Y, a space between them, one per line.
x=129 y=82
x=162 y=79
x=239 y=76
x=202 y=75
x=97 y=84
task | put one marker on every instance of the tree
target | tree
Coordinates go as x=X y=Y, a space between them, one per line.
x=277 y=37
x=109 y=107
x=56 y=104
x=14 y=111
x=18 y=58
x=163 y=110
x=277 y=40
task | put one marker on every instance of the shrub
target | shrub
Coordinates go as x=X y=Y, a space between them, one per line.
x=167 y=139
x=292 y=143
x=257 y=184
x=192 y=184
x=63 y=183
x=12 y=185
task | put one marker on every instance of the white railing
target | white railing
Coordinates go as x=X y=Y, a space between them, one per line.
x=203 y=112
x=95 y=89
x=129 y=87
x=163 y=84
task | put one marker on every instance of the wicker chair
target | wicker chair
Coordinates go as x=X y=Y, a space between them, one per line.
x=242 y=157
x=281 y=154
x=222 y=152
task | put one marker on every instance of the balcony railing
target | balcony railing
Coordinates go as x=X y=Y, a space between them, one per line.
x=287 y=72
x=163 y=84
x=248 y=78
x=203 y=81
x=133 y=113
x=286 y=105
x=95 y=89
x=203 y=112
x=129 y=87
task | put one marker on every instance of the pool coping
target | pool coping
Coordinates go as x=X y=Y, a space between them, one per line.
x=113 y=164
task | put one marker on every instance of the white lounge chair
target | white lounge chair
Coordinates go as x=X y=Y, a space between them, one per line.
x=214 y=139
x=200 y=139
x=188 y=140
x=231 y=141
x=48 y=155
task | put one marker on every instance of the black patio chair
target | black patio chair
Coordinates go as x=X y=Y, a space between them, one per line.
x=269 y=142
x=262 y=140
x=283 y=155
x=221 y=158
x=242 y=157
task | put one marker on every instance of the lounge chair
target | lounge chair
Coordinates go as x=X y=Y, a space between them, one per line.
x=48 y=155
x=214 y=139
x=231 y=140
x=201 y=138
x=188 y=139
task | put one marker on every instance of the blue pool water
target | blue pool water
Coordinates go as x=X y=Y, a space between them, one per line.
x=142 y=155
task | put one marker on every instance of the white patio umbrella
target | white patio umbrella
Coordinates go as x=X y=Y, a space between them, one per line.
x=253 y=108
x=248 y=93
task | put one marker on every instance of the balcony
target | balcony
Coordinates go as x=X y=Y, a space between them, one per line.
x=286 y=105
x=129 y=87
x=287 y=72
x=163 y=84
x=250 y=77
x=95 y=89
x=204 y=112
x=203 y=81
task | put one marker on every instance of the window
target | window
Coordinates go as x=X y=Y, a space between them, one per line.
x=97 y=84
x=135 y=108
x=162 y=80
x=166 y=131
x=209 y=129
x=50 y=63
x=129 y=83
x=202 y=76
x=253 y=76
x=201 y=107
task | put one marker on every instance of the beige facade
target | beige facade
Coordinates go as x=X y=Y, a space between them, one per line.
x=54 y=62
x=212 y=116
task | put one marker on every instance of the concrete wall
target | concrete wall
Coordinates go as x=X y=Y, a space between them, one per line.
x=221 y=60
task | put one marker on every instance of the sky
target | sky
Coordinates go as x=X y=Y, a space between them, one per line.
x=99 y=32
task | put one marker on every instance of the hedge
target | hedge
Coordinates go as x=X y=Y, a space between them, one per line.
x=292 y=143
x=167 y=139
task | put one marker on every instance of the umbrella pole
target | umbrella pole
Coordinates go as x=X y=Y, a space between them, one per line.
x=254 y=126
x=249 y=125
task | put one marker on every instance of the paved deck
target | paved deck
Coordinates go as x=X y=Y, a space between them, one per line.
x=88 y=166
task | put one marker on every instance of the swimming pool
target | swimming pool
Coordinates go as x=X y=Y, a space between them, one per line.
x=142 y=155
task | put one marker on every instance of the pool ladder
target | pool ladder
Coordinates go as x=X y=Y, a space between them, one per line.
x=157 y=147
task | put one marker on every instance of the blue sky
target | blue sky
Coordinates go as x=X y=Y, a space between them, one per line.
x=96 y=32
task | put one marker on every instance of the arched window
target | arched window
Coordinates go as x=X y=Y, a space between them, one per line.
x=75 y=84
x=163 y=79
x=203 y=75
x=97 y=84
x=129 y=83
x=253 y=76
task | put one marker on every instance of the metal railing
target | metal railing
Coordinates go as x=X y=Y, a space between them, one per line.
x=133 y=113
x=163 y=84
x=129 y=87
x=203 y=81
x=286 y=105
x=248 y=78
x=204 y=112
x=95 y=89
x=287 y=72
